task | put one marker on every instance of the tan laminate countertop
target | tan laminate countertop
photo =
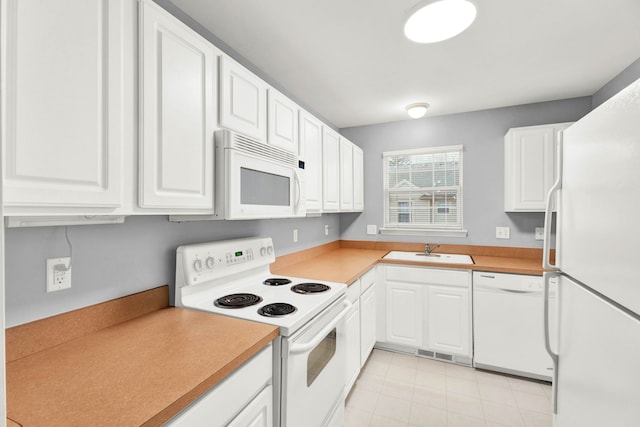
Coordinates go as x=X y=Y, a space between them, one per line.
x=137 y=373
x=345 y=265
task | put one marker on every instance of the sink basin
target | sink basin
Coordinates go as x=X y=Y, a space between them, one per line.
x=434 y=258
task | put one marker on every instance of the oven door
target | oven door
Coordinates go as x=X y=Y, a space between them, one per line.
x=314 y=364
x=261 y=188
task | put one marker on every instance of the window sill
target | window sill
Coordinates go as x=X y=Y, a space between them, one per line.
x=423 y=232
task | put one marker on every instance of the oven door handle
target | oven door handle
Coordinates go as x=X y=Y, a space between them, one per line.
x=304 y=347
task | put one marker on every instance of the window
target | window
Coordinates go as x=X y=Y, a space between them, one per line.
x=423 y=191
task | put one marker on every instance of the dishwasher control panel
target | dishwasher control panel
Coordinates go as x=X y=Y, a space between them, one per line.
x=509 y=282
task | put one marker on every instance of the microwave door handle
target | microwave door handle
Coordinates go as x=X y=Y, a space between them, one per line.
x=301 y=348
x=296 y=178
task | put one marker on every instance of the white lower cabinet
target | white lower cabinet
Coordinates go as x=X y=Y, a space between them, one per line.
x=448 y=320
x=353 y=335
x=244 y=398
x=367 y=315
x=404 y=323
x=361 y=325
x=427 y=309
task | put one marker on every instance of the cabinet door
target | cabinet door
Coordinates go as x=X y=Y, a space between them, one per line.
x=177 y=106
x=353 y=346
x=64 y=102
x=243 y=100
x=310 y=146
x=529 y=154
x=404 y=316
x=358 y=179
x=346 y=175
x=283 y=122
x=367 y=323
x=448 y=319
x=330 y=170
x=258 y=413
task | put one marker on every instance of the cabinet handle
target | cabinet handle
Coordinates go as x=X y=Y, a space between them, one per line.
x=547 y=340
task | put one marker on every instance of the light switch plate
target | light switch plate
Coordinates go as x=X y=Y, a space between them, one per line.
x=502 y=232
x=539 y=233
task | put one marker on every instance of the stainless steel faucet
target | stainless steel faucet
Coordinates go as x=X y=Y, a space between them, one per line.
x=428 y=248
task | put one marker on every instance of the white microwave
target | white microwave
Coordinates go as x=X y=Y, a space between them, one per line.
x=256 y=180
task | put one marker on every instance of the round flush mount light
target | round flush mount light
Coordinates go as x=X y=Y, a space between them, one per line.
x=417 y=110
x=439 y=20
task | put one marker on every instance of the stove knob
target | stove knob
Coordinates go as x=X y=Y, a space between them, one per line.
x=197 y=265
x=209 y=262
x=263 y=251
x=269 y=250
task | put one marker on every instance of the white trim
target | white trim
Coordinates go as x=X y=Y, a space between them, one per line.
x=46 y=221
x=425 y=150
x=423 y=232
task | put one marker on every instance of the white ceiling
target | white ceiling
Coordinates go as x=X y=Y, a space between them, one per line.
x=349 y=61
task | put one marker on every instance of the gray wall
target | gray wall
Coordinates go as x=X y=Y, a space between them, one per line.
x=622 y=80
x=482 y=135
x=111 y=261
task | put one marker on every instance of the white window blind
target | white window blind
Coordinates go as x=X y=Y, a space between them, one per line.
x=423 y=190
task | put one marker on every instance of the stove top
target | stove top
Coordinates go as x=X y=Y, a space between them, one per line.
x=213 y=276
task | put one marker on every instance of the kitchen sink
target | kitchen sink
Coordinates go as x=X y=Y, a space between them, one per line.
x=434 y=257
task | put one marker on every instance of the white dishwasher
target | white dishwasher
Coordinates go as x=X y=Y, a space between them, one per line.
x=508 y=324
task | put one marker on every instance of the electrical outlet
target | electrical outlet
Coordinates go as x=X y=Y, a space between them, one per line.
x=58 y=274
x=372 y=229
x=539 y=233
x=326 y=230
x=502 y=232
x=295 y=235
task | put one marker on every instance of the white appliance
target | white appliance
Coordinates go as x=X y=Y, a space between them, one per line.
x=597 y=356
x=253 y=180
x=507 y=319
x=232 y=278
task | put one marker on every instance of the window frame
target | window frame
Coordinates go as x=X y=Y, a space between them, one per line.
x=445 y=230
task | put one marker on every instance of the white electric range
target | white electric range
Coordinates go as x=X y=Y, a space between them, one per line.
x=232 y=278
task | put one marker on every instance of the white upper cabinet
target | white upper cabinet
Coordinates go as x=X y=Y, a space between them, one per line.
x=243 y=100
x=283 y=121
x=64 y=102
x=310 y=148
x=358 y=179
x=346 y=175
x=177 y=113
x=529 y=166
x=330 y=170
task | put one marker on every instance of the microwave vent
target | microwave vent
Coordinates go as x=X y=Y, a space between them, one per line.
x=259 y=149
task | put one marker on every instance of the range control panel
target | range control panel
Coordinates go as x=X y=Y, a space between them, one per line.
x=202 y=262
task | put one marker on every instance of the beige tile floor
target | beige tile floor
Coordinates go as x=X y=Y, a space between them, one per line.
x=401 y=390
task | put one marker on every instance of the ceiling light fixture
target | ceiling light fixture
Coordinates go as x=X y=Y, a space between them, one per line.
x=417 y=110
x=439 y=20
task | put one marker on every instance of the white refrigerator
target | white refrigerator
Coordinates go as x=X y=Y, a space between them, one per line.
x=597 y=353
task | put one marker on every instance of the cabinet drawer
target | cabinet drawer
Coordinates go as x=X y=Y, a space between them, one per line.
x=353 y=291
x=367 y=279
x=426 y=275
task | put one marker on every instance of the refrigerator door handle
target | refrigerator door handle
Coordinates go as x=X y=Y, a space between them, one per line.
x=547 y=339
x=557 y=185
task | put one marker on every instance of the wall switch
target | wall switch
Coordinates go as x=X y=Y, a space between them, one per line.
x=295 y=235
x=326 y=229
x=372 y=229
x=58 y=274
x=502 y=232
x=539 y=233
